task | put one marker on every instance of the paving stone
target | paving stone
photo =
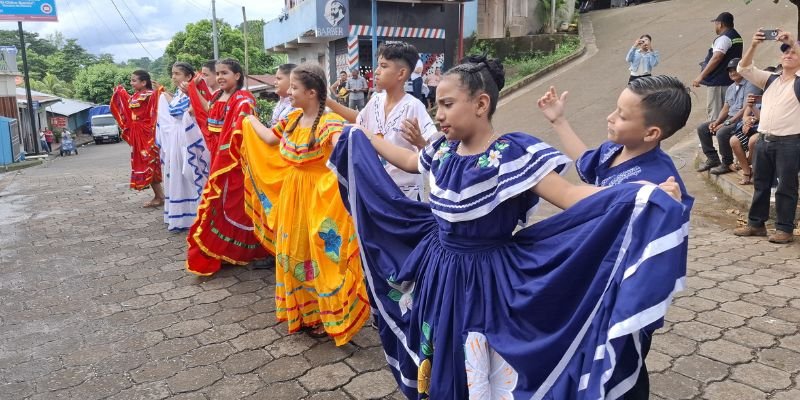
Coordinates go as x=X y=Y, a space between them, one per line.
x=761 y=376
x=64 y=378
x=280 y=391
x=700 y=368
x=749 y=337
x=332 y=395
x=371 y=359
x=258 y=339
x=728 y=390
x=16 y=390
x=100 y=387
x=290 y=345
x=187 y=328
x=157 y=322
x=235 y=387
x=780 y=358
x=791 y=342
x=790 y=314
x=148 y=391
x=743 y=308
x=717 y=294
x=696 y=304
x=725 y=351
x=155 y=288
x=325 y=353
x=366 y=337
x=156 y=370
x=240 y=300
x=789 y=395
x=372 y=385
x=120 y=363
x=765 y=299
x=782 y=291
x=739 y=287
x=678 y=314
x=194 y=378
x=200 y=311
x=284 y=369
x=207 y=355
x=259 y=321
x=231 y=316
x=697 y=330
x=140 y=341
x=246 y=361
x=219 y=334
x=720 y=319
x=674 y=386
x=172 y=348
x=181 y=292
x=773 y=326
x=326 y=377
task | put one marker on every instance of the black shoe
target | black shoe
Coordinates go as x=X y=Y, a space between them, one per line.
x=720 y=169
x=707 y=166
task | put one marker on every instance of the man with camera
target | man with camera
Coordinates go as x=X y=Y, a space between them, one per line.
x=714 y=74
x=777 y=154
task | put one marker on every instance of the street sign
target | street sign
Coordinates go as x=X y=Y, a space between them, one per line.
x=28 y=10
x=58 y=122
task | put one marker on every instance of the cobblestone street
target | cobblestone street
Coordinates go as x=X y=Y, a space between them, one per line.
x=95 y=302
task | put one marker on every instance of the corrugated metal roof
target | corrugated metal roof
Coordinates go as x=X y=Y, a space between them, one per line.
x=53 y=103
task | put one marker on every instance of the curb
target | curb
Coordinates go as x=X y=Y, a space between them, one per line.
x=538 y=74
x=79 y=142
x=20 y=165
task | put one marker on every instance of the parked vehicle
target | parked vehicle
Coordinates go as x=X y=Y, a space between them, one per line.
x=105 y=129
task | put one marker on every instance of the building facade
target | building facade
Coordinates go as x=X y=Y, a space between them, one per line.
x=513 y=18
x=337 y=34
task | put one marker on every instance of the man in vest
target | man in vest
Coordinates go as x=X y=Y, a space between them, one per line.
x=714 y=73
x=777 y=154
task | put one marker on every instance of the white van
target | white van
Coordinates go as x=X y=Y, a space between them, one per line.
x=105 y=129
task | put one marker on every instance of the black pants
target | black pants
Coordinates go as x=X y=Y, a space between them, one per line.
x=724 y=134
x=417 y=88
x=775 y=159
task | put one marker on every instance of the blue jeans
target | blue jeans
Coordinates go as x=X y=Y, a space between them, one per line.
x=781 y=160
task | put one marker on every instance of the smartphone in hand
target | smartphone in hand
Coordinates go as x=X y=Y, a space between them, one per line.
x=769 y=34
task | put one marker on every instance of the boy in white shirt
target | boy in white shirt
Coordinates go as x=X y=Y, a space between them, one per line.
x=399 y=117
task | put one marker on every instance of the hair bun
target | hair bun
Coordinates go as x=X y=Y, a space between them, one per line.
x=493 y=65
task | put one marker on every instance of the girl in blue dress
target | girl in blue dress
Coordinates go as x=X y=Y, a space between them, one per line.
x=471 y=306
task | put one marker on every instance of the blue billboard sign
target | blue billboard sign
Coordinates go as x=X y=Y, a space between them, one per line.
x=28 y=10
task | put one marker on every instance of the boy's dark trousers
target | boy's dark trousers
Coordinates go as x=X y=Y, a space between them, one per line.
x=724 y=134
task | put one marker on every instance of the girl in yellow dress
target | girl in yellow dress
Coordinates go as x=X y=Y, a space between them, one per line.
x=299 y=216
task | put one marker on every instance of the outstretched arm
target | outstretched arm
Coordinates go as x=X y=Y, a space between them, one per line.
x=348 y=113
x=562 y=194
x=552 y=106
x=263 y=132
x=400 y=157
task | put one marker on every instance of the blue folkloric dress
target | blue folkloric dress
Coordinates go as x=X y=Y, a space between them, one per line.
x=184 y=161
x=467 y=308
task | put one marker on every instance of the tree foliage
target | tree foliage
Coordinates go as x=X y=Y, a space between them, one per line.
x=51 y=84
x=194 y=45
x=97 y=82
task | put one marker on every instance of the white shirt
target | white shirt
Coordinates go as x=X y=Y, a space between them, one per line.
x=374 y=119
x=722 y=44
x=415 y=75
x=281 y=111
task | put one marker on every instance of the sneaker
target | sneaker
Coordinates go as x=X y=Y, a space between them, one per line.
x=720 y=169
x=781 y=237
x=748 y=230
x=708 y=165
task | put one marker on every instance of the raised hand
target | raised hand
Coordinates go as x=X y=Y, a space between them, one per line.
x=672 y=188
x=552 y=105
x=413 y=134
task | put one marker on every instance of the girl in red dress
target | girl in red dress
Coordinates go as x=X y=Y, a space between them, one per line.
x=223 y=232
x=136 y=115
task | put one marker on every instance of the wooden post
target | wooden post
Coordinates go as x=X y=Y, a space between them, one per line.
x=246 y=57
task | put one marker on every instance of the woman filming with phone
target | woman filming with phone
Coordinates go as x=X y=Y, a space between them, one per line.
x=641 y=58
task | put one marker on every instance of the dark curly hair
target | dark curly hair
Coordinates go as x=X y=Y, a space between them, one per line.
x=479 y=74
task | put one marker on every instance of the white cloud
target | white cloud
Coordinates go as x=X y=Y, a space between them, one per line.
x=99 y=28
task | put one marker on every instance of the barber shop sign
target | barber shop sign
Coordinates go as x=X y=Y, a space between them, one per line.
x=333 y=18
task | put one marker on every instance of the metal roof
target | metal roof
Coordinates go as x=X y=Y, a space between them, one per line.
x=68 y=107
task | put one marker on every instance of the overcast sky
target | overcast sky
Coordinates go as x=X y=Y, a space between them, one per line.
x=99 y=28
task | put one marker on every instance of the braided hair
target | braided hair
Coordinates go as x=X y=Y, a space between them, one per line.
x=186 y=68
x=312 y=77
x=143 y=75
x=479 y=74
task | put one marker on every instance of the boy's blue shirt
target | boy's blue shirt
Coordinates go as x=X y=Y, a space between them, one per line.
x=594 y=167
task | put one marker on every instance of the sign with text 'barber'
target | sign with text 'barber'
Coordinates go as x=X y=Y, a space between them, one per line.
x=333 y=18
x=28 y=10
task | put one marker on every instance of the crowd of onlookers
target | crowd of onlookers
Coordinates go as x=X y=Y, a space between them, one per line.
x=753 y=114
x=355 y=89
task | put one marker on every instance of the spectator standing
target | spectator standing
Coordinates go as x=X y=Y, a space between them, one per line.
x=777 y=152
x=357 y=88
x=416 y=81
x=337 y=86
x=49 y=138
x=714 y=75
x=724 y=126
x=43 y=141
x=432 y=82
x=641 y=58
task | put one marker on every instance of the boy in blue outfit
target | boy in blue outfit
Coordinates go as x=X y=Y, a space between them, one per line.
x=649 y=110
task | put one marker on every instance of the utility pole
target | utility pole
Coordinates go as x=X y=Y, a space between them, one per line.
x=214 y=32
x=375 y=39
x=246 y=57
x=28 y=89
x=553 y=16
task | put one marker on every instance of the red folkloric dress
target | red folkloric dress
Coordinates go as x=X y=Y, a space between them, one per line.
x=222 y=231
x=136 y=115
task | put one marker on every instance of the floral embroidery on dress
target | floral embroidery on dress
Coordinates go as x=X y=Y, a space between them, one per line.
x=443 y=153
x=492 y=158
x=329 y=233
x=424 y=371
x=488 y=375
x=306 y=271
x=402 y=294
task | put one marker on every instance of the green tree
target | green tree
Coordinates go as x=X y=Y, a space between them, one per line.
x=105 y=58
x=140 y=63
x=97 y=82
x=51 y=84
x=194 y=45
x=545 y=16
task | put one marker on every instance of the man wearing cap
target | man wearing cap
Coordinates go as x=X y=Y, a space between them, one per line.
x=714 y=75
x=777 y=154
x=724 y=125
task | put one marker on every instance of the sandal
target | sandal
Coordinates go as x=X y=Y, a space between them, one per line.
x=317 y=332
x=747 y=179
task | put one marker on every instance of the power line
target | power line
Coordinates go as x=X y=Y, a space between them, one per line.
x=132 y=32
x=141 y=25
x=110 y=31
